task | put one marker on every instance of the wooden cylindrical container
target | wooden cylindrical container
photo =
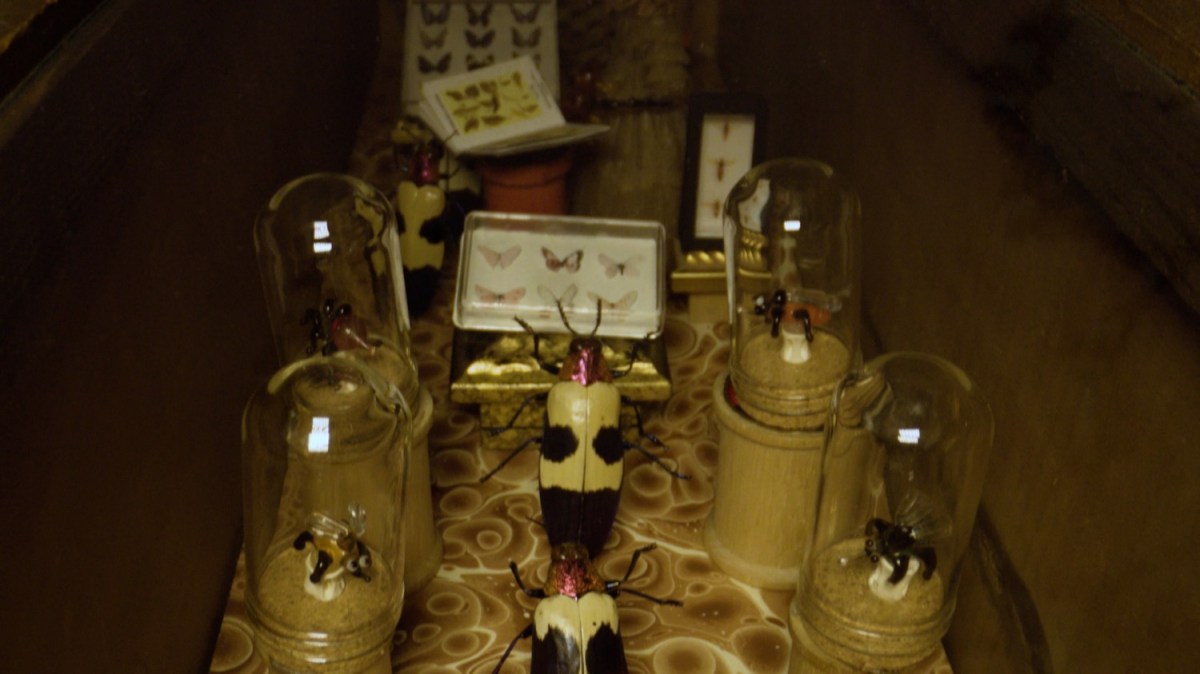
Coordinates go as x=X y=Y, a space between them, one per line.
x=422 y=542
x=766 y=495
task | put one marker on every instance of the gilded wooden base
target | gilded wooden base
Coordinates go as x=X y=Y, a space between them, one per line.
x=498 y=372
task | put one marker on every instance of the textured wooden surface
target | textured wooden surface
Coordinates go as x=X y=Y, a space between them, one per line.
x=977 y=248
x=130 y=351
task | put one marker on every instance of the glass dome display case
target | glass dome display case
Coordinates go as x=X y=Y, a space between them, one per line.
x=323 y=481
x=792 y=256
x=904 y=461
x=327 y=249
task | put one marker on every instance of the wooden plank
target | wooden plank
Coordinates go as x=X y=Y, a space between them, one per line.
x=141 y=167
x=1116 y=120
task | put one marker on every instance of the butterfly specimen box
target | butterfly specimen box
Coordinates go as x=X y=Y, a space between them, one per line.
x=516 y=266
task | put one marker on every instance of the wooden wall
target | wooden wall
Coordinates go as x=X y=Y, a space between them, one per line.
x=981 y=247
x=132 y=164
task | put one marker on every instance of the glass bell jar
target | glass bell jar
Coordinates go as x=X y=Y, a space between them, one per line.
x=324 y=247
x=328 y=253
x=906 y=452
x=323 y=483
x=792 y=256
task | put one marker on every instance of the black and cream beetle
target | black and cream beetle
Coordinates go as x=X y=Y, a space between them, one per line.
x=582 y=449
x=575 y=628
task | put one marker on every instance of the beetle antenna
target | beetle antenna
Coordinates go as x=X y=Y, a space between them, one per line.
x=563 y=314
x=599 y=311
x=537 y=340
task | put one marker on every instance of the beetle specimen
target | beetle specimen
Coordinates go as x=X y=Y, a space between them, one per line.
x=583 y=452
x=779 y=310
x=898 y=543
x=337 y=544
x=575 y=627
x=919 y=524
x=334 y=328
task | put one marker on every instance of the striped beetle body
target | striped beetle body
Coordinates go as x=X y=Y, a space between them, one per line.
x=575 y=626
x=582 y=450
x=583 y=453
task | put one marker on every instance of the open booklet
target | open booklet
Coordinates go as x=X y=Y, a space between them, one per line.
x=499 y=110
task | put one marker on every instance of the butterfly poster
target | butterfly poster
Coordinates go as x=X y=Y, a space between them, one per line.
x=531 y=267
x=448 y=37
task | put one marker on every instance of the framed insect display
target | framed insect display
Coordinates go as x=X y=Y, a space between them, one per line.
x=447 y=37
x=726 y=137
x=523 y=266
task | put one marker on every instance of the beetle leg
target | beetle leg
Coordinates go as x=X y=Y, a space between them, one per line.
x=304 y=537
x=637 y=415
x=900 y=568
x=510 y=457
x=513 y=420
x=536 y=593
x=657 y=461
x=929 y=557
x=633 y=355
x=537 y=340
x=323 y=562
x=776 y=319
x=633 y=560
x=802 y=314
x=523 y=634
x=656 y=600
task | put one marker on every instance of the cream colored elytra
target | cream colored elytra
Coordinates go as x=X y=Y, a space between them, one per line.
x=418 y=205
x=585 y=410
x=577 y=619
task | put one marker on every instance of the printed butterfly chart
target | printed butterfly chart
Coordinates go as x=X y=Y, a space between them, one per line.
x=428 y=66
x=501 y=259
x=569 y=263
x=489 y=296
x=450 y=37
x=613 y=268
x=479 y=40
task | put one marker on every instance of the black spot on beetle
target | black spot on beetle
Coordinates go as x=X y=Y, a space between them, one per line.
x=558 y=443
x=609 y=445
x=605 y=653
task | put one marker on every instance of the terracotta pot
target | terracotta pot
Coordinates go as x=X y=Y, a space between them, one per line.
x=534 y=183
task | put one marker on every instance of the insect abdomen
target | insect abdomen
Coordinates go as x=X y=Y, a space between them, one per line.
x=582 y=463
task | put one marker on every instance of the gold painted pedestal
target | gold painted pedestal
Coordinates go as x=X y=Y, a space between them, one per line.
x=498 y=372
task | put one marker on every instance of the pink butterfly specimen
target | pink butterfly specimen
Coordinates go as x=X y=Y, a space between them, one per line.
x=622 y=304
x=500 y=259
x=569 y=262
x=489 y=296
x=626 y=268
x=552 y=300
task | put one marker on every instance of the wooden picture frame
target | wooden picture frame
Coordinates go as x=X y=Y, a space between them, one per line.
x=726 y=137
